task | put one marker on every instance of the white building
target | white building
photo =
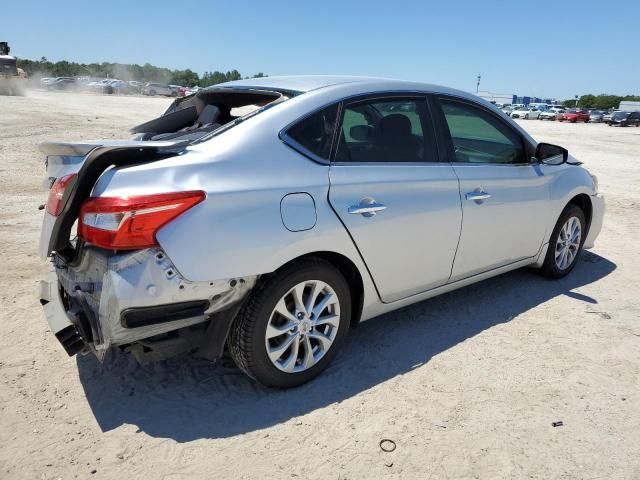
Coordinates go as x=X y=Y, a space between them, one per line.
x=497 y=97
x=630 y=106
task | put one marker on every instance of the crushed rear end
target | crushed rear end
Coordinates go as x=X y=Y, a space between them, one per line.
x=111 y=283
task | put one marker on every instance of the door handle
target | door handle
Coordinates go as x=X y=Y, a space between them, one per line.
x=475 y=196
x=368 y=207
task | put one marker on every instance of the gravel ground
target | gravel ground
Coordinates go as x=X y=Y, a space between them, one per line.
x=467 y=385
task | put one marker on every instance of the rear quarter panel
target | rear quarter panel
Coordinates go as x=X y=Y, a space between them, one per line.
x=238 y=230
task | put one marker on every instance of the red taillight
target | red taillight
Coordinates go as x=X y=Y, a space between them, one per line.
x=127 y=223
x=54 y=203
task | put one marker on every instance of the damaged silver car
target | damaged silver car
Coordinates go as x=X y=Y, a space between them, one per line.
x=269 y=216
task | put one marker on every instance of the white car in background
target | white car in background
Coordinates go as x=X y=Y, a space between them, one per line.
x=549 y=114
x=152 y=88
x=526 y=113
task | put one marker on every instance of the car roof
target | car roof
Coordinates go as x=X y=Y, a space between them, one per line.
x=298 y=84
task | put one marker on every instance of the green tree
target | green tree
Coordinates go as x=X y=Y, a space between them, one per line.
x=186 y=77
x=586 y=101
x=125 y=71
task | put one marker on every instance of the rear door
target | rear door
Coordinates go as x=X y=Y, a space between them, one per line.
x=503 y=195
x=400 y=204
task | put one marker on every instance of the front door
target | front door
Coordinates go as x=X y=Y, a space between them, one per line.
x=400 y=205
x=503 y=194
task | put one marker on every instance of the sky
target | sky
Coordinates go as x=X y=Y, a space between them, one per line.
x=541 y=48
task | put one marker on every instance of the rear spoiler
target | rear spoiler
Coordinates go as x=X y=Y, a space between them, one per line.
x=99 y=159
x=80 y=149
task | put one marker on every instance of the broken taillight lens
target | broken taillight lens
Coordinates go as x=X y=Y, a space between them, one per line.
x=54 y=202
x=128 y=223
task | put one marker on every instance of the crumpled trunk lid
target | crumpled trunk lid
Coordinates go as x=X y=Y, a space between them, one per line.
x=89 y=160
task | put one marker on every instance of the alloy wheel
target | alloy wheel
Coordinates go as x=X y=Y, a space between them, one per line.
x=302 y=326
x=568 y=243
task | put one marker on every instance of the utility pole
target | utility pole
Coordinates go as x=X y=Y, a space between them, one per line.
x=478 y=83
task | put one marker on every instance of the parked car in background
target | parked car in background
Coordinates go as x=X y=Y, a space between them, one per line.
x=507 y=109
x=526 y=113
x=607 y=116
x=186 y=91
x=120 y=87
x=394 y=192
x=174 y=89
x=152 y=88
x=99 y=85
x=624 y=119
x=548 y=114
x=596 y=116
x=62 y=83
x=44 y=81
x=574 y=115
x=136 y=85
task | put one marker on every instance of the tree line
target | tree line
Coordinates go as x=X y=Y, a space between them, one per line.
x=127 y=71
x=602 y=101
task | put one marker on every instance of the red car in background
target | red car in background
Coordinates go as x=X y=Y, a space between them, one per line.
x=574 y=115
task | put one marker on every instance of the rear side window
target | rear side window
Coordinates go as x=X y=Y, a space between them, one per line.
x=314 y=134
x=391 y=130
x=479 y=137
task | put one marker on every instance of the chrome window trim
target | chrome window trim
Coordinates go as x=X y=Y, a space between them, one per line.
x=363 y=97
x=290 y=142
x=384 y=94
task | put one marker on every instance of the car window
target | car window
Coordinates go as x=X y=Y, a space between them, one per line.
x=479 y=137
x=391 y=130
x=315 y=132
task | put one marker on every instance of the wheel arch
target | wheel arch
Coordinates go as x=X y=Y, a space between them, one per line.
x=583 y=201
x=350 y=272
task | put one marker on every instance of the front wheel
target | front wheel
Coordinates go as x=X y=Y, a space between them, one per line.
x=292 y=325
x=565 y=243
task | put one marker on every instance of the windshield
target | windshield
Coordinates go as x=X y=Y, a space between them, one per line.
x=620 y=115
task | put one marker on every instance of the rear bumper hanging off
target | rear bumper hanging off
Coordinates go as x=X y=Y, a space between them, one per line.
x=57 y=317
x=119 y=300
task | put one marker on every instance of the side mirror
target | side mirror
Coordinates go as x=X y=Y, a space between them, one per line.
x=551 y=154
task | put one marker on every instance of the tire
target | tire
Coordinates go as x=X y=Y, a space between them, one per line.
x=526 y=117
x=551 y=267
x=248 y=342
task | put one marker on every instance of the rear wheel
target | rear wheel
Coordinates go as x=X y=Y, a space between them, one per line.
x=565 y=243
x=293 y=325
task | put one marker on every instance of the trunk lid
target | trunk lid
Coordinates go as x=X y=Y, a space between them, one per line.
x=88 y=160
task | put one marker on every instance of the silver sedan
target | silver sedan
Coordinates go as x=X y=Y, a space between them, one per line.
x=272 y=215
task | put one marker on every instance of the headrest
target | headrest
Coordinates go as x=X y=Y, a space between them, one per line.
x=209 y=114
x=361 y=133
x=395 y=124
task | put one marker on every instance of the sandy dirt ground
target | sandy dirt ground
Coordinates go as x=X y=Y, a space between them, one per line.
x=467 y=385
